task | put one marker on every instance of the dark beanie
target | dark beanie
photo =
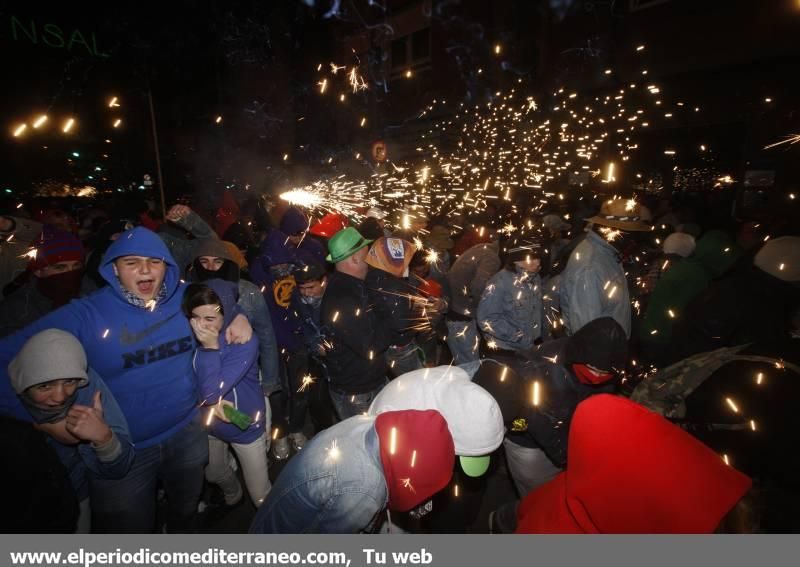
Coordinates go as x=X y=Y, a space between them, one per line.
x=600 y=343
x=309 y=272
x=370 y=229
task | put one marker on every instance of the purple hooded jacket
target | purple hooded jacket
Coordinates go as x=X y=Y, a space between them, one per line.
x=231 y=372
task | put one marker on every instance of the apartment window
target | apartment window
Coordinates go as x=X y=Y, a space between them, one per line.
x=421 y=44
x=411 y=50
x=400 y=52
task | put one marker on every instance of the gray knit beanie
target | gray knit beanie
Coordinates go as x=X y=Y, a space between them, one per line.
x=50 y=355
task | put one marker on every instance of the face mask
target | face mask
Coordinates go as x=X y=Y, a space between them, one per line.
x=61 y=288
x=41 y=415
x=586 y=376
x=312 y=301
x=228 y=272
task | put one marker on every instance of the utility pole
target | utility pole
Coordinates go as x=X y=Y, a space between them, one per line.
x=158 y=153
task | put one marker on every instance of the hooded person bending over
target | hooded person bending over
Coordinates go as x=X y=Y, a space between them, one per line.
x=673 y=484
x=346 y=476
x=538 y=398
x=71 y=404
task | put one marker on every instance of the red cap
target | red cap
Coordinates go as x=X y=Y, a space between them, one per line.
x=417 y=453
x=631 y=471
x=329 y=225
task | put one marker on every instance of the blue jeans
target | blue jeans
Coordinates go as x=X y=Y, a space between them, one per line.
x=347 y=405
x=462 y=340
x=529 y=468
x=402 y=359
x=128 y=505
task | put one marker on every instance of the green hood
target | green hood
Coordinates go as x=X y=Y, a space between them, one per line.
x=717 y=252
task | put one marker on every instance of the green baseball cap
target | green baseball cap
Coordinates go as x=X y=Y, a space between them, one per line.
x=345 y=243
x=474 y=466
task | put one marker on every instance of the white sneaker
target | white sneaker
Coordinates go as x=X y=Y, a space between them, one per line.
x=280 y=449
x=298 y=440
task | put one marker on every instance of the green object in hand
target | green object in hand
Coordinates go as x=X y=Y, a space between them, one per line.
x=239 y=419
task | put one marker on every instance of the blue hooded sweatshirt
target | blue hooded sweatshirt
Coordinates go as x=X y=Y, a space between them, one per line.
x=144 y=355
x=231 y=372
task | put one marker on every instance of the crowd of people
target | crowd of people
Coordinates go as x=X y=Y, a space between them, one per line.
x=630 y=369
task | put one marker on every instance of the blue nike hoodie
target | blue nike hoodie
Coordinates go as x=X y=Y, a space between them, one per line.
x=144 y=355
x=231 y=372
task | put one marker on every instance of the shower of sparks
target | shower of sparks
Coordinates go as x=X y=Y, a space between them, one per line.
x=610 y=234
x=308 y=379
x=407 y=484
x=790 y=140
x=509 y=145
x=302 y=198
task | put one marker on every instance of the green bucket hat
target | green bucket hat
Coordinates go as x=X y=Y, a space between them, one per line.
x=345 y=243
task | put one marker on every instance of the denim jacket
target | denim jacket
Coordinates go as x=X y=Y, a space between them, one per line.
x=593 y=285
x=510 y=310
x=335 y=484
x=314 y=333
x=252 y=303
